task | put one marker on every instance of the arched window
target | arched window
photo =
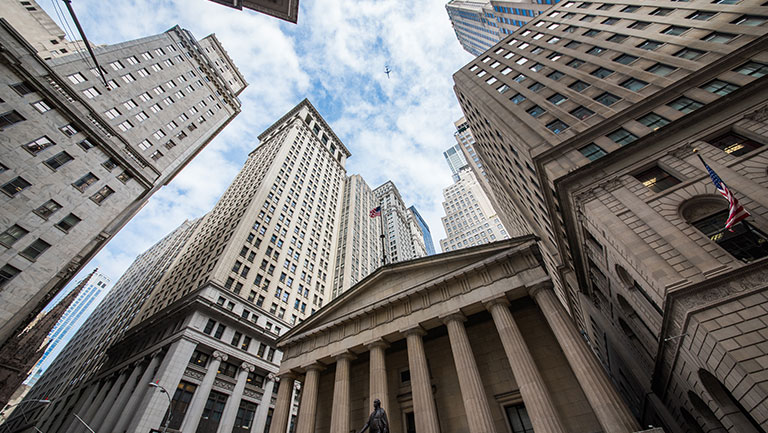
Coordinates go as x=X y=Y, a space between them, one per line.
x=741 y=419
x=709 y=213
x=710 y=422
x=690 y=422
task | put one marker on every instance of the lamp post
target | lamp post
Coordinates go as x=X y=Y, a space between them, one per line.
x=23 y=415
x=167 y=417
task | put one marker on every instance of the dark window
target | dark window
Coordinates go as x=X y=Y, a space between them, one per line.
x=244 y=417
x=685 y=105
x=219 y=331
x=753 y=69
x=181 y=399
x=650 y=45
x=610 y=21
x=675 y=30
x=86 y=144
x=661 y=69
x=719 y=37
x=36 y=146
x=228 y=369
x=536 y=111
x=199 y=358
x=592 y=151
x=556 y=75
x=518 y=419
x=209 y=326
x=689 y=53
x=720 y=87
x=68 y=222
x=743 y=241
x=573 y=45
x=214 y=407
x=47 y=209
x=58 y=160
x=15 y=186
x=617 y=38
x=625 y=59
x=701 y=15
x=750 y=20
x=622 y=136
x=557 y=99
x=630 y=9
x=582 y=113
x=11 y=235
x=7 y=272
x=575 y=63
x=557 y=126
x=602 y=72
x=23 y=88
x=734 y=144
x=35 y=249
x=634 y=84
x=236 y=338
x=596 y=51
x=607 y=99
x=102 y=194
x=662 y=11
x=84 y=182
x=9 y=118
x=592 y=33
x=656 y=179
x=110 y=164
x=578 y=86
x=653 y=121
x=639 y=25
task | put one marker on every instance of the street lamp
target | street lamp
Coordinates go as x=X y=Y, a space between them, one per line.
x=167 y=417
x=23 y=415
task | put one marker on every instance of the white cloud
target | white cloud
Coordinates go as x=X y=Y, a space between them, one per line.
x=396 y=128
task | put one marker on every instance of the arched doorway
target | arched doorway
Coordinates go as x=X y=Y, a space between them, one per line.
x=710 y=422
x=730 y=407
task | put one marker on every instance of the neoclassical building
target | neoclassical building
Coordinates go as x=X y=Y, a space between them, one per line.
x=474 y=340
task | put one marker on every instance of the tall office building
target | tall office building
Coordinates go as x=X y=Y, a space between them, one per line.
x=469 y=215
x=466 y=142
x=403 y=237
x=480 y=24
x=80 y=157
x=47 y=39
x=284 y=9
x=96 y=286
x=425 y=232
x=455 y=159
x=358 y=251
x=587 y=120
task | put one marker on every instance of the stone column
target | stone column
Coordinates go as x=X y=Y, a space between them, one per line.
x=233 y=402
x=92 y=408
x=109 y=400
x=122 y=398
x=197 y=404
x=262 y=410
x=540 y=408
x=137 y=394
x=340 y=411
x=378 y=374
x=283 y=406
x=308 y=405
x=79 y=409
x=478 y=412
x=609 y=408
x=154 y=405
x=424 y=409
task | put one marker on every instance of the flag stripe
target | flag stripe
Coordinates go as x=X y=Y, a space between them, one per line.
x=736 y=212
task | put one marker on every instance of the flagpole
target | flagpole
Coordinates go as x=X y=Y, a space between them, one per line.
x=383 y=250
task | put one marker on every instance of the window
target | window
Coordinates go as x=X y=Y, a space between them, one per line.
x=112 y=113
x=41 y=106
x=621 y=136
x=661 y=69
x=76 y=78
x=116 y=65
x=536 y=111
x=9 y=118
x=661 y=11
x=84 y=182
x=701 y=15
x=575 y=63
x=35 y=249
x=47 y=209
x=518 y=98
x=519 y=78
x=596 y=51
x=556 y=75
x=537 y=67
x=625 y=59
x=38 y=145
x=743 y=241
x=518 y=419
x=592 y=33
x=86 y=144
x=554 y=56
x=617 y=38
x=209 y=326
x=750 y=20
x=610 y=21
x=198 y=357
x=11 y=235
x=219 y=331
x=557 y=126
x=535 y=87
x=503 y=89
x=557 y=99
x=58 y=160
x=582 y=113
x=23 y=88
x=734 y=144
x=720 y=87
x=7 y=272
x=719 y=37
x=102 y=194
x=653 y=121
x=68 y=222
x=634 y=84
x=656 y=179
x=602 y=72
x=686 y=105
x=675 y=30
x=578 y=86
x=753 y=69
x=15 y=186
x=639 y=25
x=650 y=45
x=630 y=9
x=592 y=151
x=689 y=53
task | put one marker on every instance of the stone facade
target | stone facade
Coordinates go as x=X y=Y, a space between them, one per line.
x=472 y=340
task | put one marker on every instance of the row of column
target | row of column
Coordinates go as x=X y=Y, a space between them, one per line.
x=608 y=406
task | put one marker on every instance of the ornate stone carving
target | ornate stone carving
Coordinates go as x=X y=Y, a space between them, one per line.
x=193 y=374
x=223 y=385
x=220 y=356
x=611 y=184
x=759 y=115
x=683 y=151
x=252 y=394
x=248 y=367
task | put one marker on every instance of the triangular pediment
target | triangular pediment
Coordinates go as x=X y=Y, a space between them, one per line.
x=393 y=281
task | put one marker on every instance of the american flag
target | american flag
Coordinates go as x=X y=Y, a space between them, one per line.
x=736 y=212
x=375 y=212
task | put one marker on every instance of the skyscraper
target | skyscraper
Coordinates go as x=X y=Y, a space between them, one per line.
x=284 y=9
x=404 y=240
x=466 y=142
x=90 y=295
x=586 y=120
x=426 y=234
x=480 y=24
x=81 y=157
x=359 y=243
x=455 y=159
x=469 y=216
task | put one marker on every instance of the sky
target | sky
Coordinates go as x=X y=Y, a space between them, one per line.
x=396 y=128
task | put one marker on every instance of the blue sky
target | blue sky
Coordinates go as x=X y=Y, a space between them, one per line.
x=395 y=128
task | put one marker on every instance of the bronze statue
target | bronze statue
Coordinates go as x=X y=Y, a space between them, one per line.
x=378 y=419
